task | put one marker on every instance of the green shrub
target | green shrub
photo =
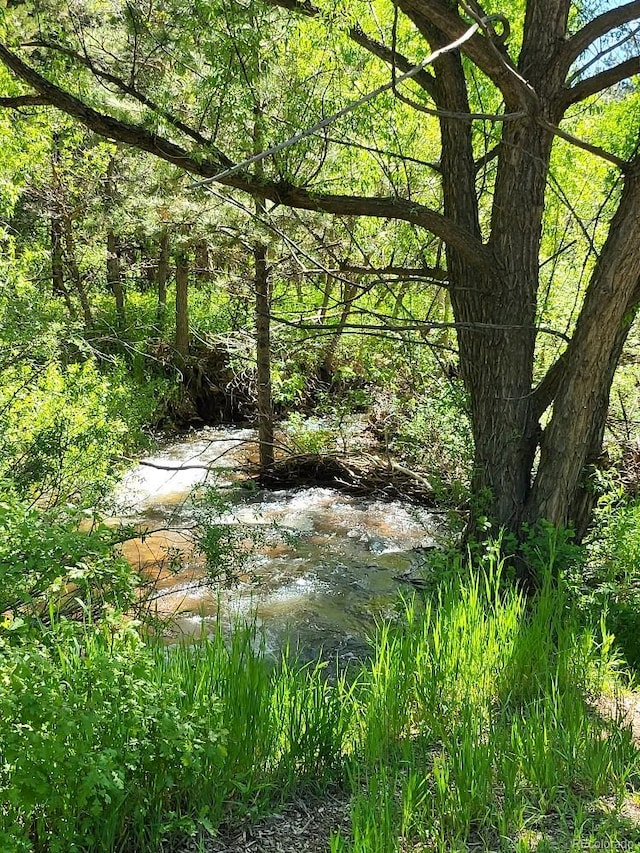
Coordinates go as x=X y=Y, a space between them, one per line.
x=609 y=582
x=49 y=565
x=433 y=431
x=308 y=435
x=98 y=744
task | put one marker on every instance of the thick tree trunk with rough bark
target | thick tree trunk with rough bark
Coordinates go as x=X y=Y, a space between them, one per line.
x=575 y=430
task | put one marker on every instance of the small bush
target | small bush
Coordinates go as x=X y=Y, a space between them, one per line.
x=609 y=582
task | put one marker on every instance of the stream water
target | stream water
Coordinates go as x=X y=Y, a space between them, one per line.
x=325 y=567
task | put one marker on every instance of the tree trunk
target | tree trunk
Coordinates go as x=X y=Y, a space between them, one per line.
x=326 y=296
x=263 y=321
x=574 y=432
x=350 y=293
x=57 y=256
x=74 y=271
x=114 y=270
x=263 y=356
x=58 y=284
x=495 y=307
x=203 y=264
x=182 y=306
x=162 y=278
x=114 y=276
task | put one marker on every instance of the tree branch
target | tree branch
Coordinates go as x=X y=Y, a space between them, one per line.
x=24 y=101
x=545 y=391
x=410 y=272
x=490 y=58
x=424 y=79
x=586 y=146
x=595 y=84
x=132 y=92
x=596 y=28
x=277 y=191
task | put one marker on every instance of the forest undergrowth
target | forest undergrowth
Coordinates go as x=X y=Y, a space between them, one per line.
x=472 y=726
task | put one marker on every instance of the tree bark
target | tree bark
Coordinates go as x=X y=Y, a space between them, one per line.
x=114 y=276
x=203 y=262
x=496 y=309
x=576 y=426
x=182 y=306
x=114 y=269
x=162 y=278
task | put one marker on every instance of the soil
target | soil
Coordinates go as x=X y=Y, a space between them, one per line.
x=303 y=826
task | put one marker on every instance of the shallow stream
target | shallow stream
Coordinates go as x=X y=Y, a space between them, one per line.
x=325 y=566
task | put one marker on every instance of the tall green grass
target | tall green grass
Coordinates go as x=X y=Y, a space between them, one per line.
x=109 y=744
x=470 y=726
x=476 y=726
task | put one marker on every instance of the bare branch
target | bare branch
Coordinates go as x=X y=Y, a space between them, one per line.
x=410 y=272
x=488 y=157
x=595 y=29
x=603 y=80
x=463 y=116
x=545 y=391
x=586 y=146
x=418 y=326
x=600 y=55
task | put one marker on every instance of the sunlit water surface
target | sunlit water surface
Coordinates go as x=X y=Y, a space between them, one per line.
x=325 y=565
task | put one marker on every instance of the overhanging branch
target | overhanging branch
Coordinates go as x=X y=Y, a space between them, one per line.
x=279 y=192
x=19 y=101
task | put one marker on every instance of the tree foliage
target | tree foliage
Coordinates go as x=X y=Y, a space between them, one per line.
x=479 y=165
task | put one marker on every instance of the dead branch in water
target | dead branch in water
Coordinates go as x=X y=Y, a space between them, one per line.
x=364 y=474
